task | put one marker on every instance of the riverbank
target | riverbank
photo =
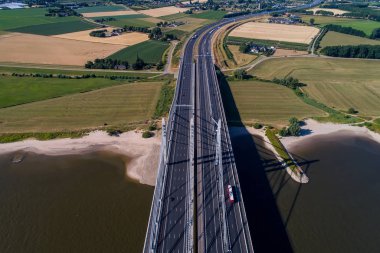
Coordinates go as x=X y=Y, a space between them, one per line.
x=142 y=154
x=313 y=128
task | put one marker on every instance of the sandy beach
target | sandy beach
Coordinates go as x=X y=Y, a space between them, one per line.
x=143 y=154
x=313 y=128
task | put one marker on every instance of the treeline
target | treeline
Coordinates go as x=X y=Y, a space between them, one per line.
x=324 y=13
x=360 y=51
x=356 y=10
x=63 y=76
x=290 y=82
x=346 y=30
x=62 y=11
x=102 y=20
x=236 y=14
x=107 y=64
x=99 y=33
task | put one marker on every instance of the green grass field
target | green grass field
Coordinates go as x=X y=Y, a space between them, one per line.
x=178 y=33
x=10 y=19
x=21 y=90
x=101 y=8
x=366 y=26
x=281 y=44
x=130 y=22
x=214 y=15
x=266 y=103
x=174 y=16
x=117 y=105
x=338 y=83
x=150 y=51
x=56 y=28
x=340 y=39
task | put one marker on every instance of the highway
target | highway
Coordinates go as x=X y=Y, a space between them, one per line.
x=221 y=226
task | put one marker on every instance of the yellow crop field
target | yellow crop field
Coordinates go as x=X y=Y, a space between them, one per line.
x=164 y=11
x=276 y=32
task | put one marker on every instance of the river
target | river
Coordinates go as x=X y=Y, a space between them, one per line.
x=338 y=211
x=75 y=203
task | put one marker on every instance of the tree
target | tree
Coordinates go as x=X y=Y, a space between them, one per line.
x=240 y=74
x=160 y=65
x=352 y=111
x=312 y=21
x=139 y=64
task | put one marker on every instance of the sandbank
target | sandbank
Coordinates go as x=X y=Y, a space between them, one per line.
x=313 y=128
x=143 y=154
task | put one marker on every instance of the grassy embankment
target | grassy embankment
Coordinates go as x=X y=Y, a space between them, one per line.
x=333 y=85
x=150 y=51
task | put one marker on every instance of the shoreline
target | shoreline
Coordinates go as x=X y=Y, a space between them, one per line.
x=313 y=128
x=142 y=154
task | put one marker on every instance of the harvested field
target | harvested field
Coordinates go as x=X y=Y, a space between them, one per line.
x=164 y=11
x=276 y=32
x=266 y=103
x=126 y=39
x=29 y=48
x=335 y=11
x=56 y=28
x=116 y=105
x=286 y=52
x=341 y=39
x=109 y=13
x=338 y=83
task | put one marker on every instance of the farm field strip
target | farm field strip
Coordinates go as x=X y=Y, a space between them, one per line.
x=268 y=103
x=340 y=39
x=21 y=90
x=122 y=104
x=56 y=28
x=101 y=8
x=51 y=50
x=366 y=26
x=126 y=39
x=10 y=19
x=138 y=22
x=109 y=13
x=150 y=51
x=338 y=83
x=163 y=11
x=335 y=11
x=276 y=32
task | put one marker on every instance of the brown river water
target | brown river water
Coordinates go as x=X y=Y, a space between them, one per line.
x=75 y=203
x=337 y=211
x=86 y=204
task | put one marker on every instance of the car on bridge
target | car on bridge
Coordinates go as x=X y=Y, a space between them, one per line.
x=230 y=194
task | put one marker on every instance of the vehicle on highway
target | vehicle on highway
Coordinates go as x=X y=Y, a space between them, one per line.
x=230 y=194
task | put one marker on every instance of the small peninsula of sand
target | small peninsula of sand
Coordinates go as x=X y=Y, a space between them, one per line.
x=143 y=154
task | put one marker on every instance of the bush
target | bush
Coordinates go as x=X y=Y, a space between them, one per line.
x=152 y=127
x=352 y=111
x=147 y=134
x=257 y=126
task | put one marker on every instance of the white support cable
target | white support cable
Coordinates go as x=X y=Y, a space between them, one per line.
x=223 y=220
